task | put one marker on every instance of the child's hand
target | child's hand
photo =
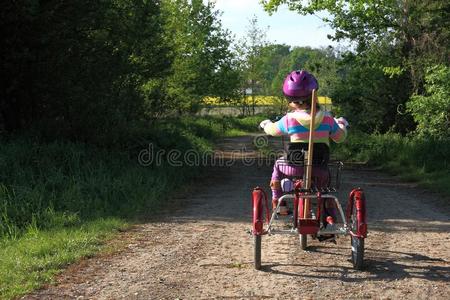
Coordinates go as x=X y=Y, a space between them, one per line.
x=264 y=123
x=342 y=121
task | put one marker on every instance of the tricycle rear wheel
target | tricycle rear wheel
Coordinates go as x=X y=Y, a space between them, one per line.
x=257 y=251
x=357 y=252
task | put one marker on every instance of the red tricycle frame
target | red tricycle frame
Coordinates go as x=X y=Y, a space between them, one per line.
x=354 y=222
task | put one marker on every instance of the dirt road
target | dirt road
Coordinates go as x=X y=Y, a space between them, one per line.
x=203 y=250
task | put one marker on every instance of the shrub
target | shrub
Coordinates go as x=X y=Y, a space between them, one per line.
x=432 y=111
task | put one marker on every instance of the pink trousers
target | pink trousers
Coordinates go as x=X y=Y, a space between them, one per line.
x=283 y=169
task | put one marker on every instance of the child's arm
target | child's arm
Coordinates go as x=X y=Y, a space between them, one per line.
x=275 y=129
x=338 y=131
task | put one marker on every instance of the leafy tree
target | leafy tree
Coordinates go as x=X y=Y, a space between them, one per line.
x=432 y=111
x=407 y=23
x=368 y=97
x=395 y=42
x=75 y=68
x=250 y=51
x=203 y=63
x=272 y=57
x=320 y=62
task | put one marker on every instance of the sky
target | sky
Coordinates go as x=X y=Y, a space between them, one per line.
x=284 y=26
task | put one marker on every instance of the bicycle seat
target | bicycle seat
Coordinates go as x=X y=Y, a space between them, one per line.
x=296 y=154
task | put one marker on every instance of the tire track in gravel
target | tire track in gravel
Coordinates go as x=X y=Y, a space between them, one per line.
x=203 y=250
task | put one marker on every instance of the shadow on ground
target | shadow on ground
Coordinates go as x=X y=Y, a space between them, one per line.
x=385 y=265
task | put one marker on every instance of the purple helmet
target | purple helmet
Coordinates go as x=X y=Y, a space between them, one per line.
x=299 y=84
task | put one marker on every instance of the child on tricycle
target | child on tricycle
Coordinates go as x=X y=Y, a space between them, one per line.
x=303 y=176
x=297 y=88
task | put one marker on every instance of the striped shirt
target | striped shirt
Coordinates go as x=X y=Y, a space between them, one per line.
x=296 y=125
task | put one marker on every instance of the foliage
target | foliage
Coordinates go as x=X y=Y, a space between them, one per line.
x=422 y=159
x=60 y=201
x=432 y=110
x=59 y=184
x=361 y=21
x=272 y=62
x=320 y=62
x=203 y=62
x=272 y=57
x=62 y=184
x=395 y=41
x=262 y=101
x=250 y=52
x=411 y=23
x=88 y=71
x=367 y=96
x=74 y=68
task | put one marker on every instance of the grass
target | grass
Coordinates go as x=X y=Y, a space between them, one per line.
x=35 y=258
x=416 y=159
x=61 y=201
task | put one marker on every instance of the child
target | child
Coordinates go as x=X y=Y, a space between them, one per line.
x=297 y=89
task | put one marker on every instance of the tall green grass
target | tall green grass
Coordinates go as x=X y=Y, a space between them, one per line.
x=38 y=255
x=60 y=200
x=61 y=184
x=414 y=158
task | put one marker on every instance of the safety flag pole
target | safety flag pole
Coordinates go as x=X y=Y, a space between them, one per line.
x=309 y=161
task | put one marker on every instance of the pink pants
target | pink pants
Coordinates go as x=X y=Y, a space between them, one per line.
x=320 y=178
x=282 y=169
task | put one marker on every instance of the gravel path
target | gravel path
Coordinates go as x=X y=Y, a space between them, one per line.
x=204 y=251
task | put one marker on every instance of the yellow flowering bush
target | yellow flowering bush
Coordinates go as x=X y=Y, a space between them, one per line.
x=261 y=101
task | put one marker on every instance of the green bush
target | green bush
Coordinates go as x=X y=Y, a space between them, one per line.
x=57 y=184
x=60 y=184
x=59 y=201
x=417 y=158
x=380 y=149
x=432 y=111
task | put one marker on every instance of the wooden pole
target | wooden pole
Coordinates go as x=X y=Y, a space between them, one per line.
x=309 y=164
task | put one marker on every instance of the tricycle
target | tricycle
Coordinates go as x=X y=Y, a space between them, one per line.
x=310 y=214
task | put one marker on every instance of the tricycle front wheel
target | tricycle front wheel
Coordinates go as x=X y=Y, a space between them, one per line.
x=303 y=241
